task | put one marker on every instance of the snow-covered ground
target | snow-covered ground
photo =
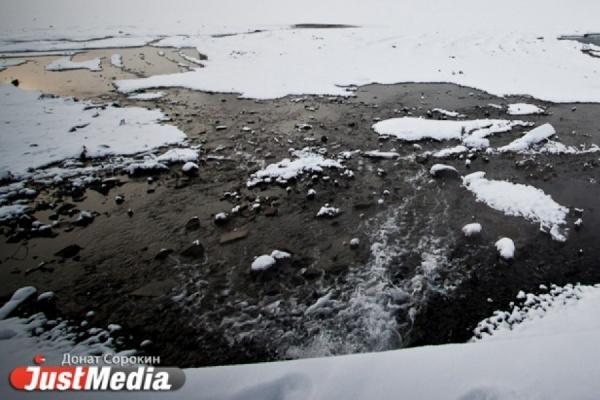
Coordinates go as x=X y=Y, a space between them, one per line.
x=505 y=48
x=503 y=362
x=39 y=130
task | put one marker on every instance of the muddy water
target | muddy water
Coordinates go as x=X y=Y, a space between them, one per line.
x=413 y=279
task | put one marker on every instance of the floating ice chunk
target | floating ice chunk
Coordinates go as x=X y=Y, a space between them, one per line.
x=286 y=169
x=531 y=138
x=518 y=200
x=116 y=60
x=523 y=109
x=18 y=297
x=147 y=96
x=66 y=63
x=328 y=211
x=471 y=229
x=178 y=156
x=506 y=248
x=262 y=263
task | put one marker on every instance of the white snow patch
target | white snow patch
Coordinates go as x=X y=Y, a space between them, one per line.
x=263 y=262
x=531 y=138
x=116 y=60
x=12 y=211
x=471 y=229
x=147 y=96
x=18 y=297
x=381 y=154
x=523 y=109
x=37 y=131
x=286 y=169
x=437 y=168
x=450 y=151
x=518 y=200
x=66 y=63
x=328 y=211
x=506 y=248
x=447 y=113
x=10 y=62
x=178 y=156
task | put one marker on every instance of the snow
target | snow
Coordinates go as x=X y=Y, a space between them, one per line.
x=506 y=248
x=146 y=165
x=262 y=263
x=280 y=255
x=286 y=169
x=328 y=211
x=523 y=109
x=181 y=155
x=116 y=60
x=12 y=211
x=38 y=131
x=531 y=138
x=437 y=168
x=10 y=62
x=189 y=167
x=18 y=297
x=381 y=154
x=471 y=132
x=519 y=200
x=447 y=113
x=450 y=151
x=147 y=96
x=66 y=63
x=472 y=229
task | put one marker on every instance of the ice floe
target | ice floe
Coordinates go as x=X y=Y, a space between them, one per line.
x=519 y=200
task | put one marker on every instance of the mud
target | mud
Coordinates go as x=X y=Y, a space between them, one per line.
x=413 y=280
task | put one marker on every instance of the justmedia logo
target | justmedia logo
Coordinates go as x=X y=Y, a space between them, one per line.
x=94 y=377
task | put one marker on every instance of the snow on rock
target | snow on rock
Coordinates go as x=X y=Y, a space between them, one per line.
x=438 y=170
x=519 y=200
x=264 y=262
x=147 y=96
x=40 y=130
x=18 y=297
x=531 y=138
x=506 y=248
x=116 y=60
x=328 y=212
x=381 y=154
x=450 y=151
x=286 y=169
x=523 y=109
x=190 y=167
x=12 y=211
x=178 y=156
x=66 y=63
x=147 y=165
x=447 y=113
x=472 y=229
x=471 y=132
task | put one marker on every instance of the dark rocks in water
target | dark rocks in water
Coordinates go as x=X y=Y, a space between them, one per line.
x=163 y=253
x=70 y=251
x=193 y=224
x=233 y=236
x=196 y=250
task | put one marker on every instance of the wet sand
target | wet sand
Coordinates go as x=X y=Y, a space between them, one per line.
x=209 y=308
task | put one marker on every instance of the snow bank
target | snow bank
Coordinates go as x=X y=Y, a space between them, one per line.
x=531 y=138
x=37 y=131
x=66 y=63
x=519 y=200
x=286 y=169
x=523 y=109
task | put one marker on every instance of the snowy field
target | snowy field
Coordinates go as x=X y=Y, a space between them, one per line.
x=543 y=346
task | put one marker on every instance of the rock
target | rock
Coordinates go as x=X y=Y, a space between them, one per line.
x=444 y=171
x=163 y=253
x=271 y=211
x=190 y=168
x=15 y=82
x=221 y=218
x=312 y=193
x=155 y=289
x=193 y=224
x=70 y=251
x=233 y=236
x=354 y=243
x=130 y=212
x=119 y=199
x=196 y=250
x=84 y=218
x=422 y=158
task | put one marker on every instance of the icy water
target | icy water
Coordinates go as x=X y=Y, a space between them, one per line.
x=414 y=278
